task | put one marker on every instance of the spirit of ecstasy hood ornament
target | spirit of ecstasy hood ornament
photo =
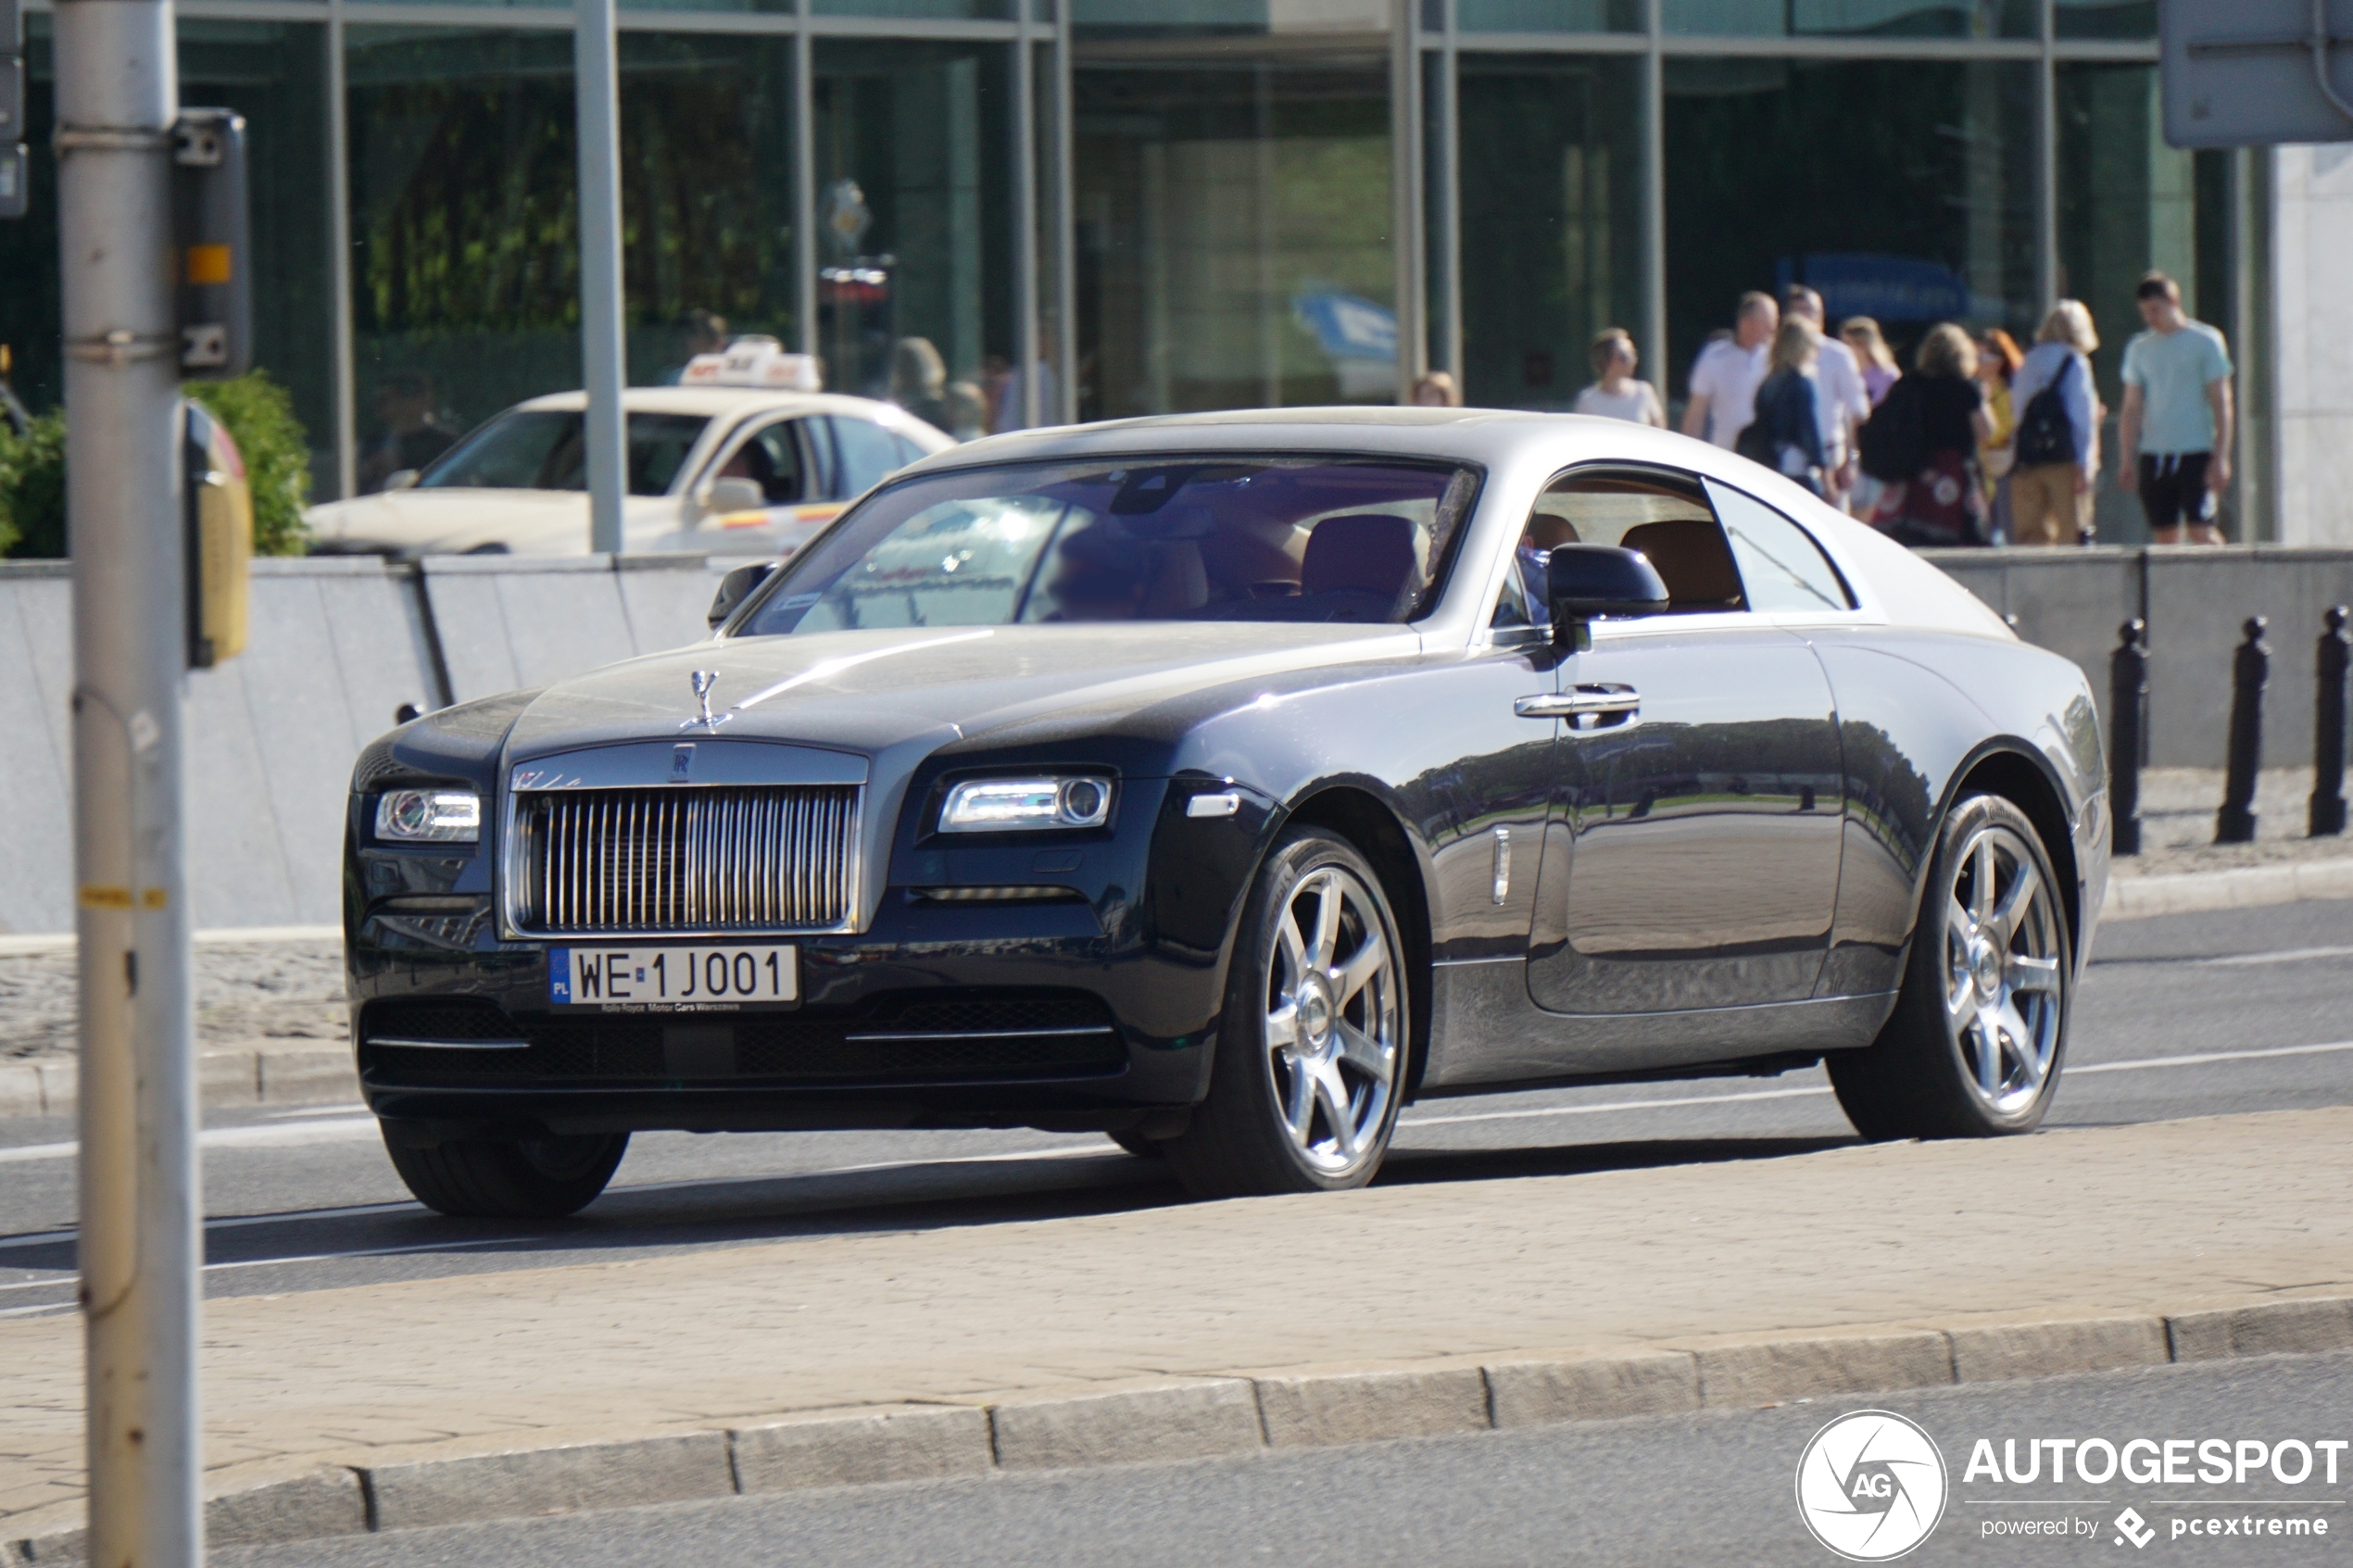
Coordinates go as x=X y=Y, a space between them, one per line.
x=703 y=680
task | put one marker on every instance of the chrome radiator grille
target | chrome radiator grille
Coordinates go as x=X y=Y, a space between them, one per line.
x=685 y=861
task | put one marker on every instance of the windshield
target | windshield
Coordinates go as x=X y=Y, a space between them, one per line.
x=1209 y=538
x=540 y=449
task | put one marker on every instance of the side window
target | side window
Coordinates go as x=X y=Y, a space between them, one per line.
x=1661 y=512
x=1781 y=566
x=867 y=452
x=771 y=459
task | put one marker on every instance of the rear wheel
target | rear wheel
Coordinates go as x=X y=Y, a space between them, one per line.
x=1979 y=1033
x=1311 y=1047
x=522 y=1179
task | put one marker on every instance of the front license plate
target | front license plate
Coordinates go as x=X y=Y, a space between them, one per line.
x=673 y=979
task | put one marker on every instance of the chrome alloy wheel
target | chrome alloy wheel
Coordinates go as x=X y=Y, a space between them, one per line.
x=1333 y=1024
x=2002 y=981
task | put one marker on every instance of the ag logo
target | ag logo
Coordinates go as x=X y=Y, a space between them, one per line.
x=1871 y=1486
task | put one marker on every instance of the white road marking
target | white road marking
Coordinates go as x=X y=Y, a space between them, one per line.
x=2292 y=955
x=282 y=1134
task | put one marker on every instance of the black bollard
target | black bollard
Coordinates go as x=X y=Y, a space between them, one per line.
x=2328 y=727
x=2250 y=671
x=2128 y=709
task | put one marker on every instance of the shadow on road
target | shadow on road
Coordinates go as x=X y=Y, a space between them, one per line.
x=331 y=1248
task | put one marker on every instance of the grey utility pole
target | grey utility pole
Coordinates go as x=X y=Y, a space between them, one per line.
x=117 y=98
x=596 y=86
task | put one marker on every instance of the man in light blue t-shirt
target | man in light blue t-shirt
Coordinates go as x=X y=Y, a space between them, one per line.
x=2176 y=423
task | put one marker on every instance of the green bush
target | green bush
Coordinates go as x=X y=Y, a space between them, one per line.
x=261 y=422
x=32 y=488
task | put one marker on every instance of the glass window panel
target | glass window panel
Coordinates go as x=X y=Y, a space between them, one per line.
x=1307 y=540
x=464 y=230
x=1140 y=19
x=1853 y=19
x=914 y=236
x=1548 y=16
x=273 y=73
x=2104 y=19
x=868 y=452
x=707 y=177
x=1928 y=218
x=2128 y=204
x=930 y=10
x=543 y=449
x=1782 y=568
x=1234 y=245
x=1551 y=220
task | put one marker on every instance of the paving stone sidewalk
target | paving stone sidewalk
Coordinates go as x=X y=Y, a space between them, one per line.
x=2155 y=1218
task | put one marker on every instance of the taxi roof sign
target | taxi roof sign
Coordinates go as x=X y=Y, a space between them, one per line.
x=754 y=361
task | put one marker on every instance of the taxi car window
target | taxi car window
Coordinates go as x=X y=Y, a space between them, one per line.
x=1663 y=513
x=866 y=452
x=769 y=458
x=541 y=449
x=1782 y=568
x=1209 y=538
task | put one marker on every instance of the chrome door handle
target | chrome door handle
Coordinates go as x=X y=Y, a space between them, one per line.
x=1596 y=702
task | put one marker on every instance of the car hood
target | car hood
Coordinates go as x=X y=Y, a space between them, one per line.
x=416 y=523
x=914 y=690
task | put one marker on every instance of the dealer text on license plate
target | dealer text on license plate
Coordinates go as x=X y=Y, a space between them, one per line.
x=672 y=979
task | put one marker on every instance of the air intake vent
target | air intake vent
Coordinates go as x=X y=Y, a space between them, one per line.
x=685 y=861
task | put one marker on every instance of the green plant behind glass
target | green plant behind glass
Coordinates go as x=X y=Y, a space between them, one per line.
x=261 y=421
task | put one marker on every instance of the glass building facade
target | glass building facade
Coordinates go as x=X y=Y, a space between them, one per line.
x=1097 y=208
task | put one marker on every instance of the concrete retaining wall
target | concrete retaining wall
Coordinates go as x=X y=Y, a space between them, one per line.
x=338 y=643
x=2194 y=601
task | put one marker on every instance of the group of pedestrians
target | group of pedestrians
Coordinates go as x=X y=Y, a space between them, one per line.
x=1980 y=442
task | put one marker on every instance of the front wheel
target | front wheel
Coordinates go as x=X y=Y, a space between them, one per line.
x=1311 y=1047
x=519 y=1179
x=1978 y=1036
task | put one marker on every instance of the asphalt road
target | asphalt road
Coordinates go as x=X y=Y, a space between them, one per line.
x=1716 y=1487
x=2182 y=1016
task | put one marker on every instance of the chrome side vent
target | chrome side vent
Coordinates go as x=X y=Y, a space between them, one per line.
x=685 y=861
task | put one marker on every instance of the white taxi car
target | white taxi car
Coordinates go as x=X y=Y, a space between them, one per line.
x=714 y=468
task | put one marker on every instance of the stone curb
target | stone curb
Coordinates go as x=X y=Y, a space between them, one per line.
x=2182 y=893
x=1199 y=1417
x=225 y=1079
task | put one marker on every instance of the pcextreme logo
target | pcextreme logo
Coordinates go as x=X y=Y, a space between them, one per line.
x=1871 y=1486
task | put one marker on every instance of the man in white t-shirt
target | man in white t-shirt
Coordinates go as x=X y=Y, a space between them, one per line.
x=1842 y=401
x=1725 y=375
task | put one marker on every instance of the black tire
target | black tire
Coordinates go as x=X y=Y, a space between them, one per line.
x=1927 y=1076
x=1137 y=1145
x=1347 y=1035
x=525 y=1179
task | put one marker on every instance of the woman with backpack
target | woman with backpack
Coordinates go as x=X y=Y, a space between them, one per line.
x=2058 y=432
x=1786 y=435
x=1922 y=443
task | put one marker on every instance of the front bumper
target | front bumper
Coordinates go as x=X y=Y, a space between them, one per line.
x=1094 y=1010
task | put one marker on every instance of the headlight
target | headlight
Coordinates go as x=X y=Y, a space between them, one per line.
x=1048 y=802
x=429 y=816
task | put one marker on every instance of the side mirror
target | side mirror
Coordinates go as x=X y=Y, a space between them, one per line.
x=735 y=587
x=722 y=496
x=401 y=479
x=1585 y=581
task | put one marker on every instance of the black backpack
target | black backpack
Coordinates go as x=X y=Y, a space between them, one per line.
x=2045 y=433
x=1893 y=443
